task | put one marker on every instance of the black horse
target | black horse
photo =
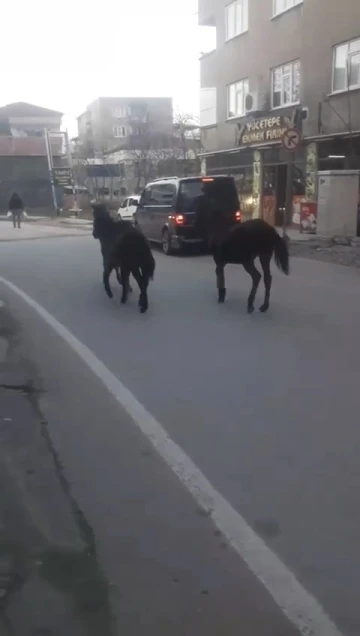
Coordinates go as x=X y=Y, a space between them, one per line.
x=109 y=235
x=125 y=250
x=242 y=244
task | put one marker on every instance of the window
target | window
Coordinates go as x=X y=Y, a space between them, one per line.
x=119 y=112
x=119 y=131
x=162 y=194
x=346 y=66
x=146 y=196
x=285 y=89
x=236 y=98
x=207 y=107
x=236 y=18
x=279 y=6
x=138 y=113
x=220 y=191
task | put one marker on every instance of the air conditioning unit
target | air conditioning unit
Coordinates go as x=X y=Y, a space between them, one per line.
x=251 y=102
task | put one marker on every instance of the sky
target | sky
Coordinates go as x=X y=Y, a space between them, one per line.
x=62 y=55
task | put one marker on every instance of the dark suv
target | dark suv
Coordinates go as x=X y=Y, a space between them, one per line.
x=168 y=210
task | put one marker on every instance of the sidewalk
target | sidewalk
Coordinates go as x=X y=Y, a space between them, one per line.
x=50 y=581
x=44 y=228
x=296 y=236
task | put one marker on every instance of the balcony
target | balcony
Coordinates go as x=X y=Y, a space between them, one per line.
x=206 y=12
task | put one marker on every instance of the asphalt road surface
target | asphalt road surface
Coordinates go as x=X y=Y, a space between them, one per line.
x=267 y=408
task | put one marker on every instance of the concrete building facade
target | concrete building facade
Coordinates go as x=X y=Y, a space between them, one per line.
x=280 y=63
x=110 y=123
x=124 y=142
x=23 y=155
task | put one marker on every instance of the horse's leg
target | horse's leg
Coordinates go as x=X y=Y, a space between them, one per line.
x=220 y=282
x=125 y=275
x=118 y=276
x=265 y=264
x=256 y=278
x=143 y=282
x=106 y=276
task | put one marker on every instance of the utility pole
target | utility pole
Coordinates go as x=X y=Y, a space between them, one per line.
x=71 y=168
x=291 y=141
x=51 y=168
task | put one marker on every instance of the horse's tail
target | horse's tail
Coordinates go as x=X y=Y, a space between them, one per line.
x=281 y=253
x=148 y=264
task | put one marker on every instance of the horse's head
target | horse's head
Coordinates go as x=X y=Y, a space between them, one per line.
x=102 y=220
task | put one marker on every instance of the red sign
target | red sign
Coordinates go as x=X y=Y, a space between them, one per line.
x=291 y=139
x=308 y=217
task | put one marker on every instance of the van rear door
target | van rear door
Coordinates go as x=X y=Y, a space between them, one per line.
x=220 y=192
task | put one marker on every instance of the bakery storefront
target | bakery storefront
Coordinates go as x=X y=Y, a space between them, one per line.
x=259 y=166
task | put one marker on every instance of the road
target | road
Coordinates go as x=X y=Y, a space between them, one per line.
x=265 y=406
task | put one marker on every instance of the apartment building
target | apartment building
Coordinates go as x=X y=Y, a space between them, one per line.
x=110 y=123
x=276 y=63
x=129 y=141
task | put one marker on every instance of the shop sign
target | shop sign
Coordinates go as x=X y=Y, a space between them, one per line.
x=263 y=130
x=63 y=177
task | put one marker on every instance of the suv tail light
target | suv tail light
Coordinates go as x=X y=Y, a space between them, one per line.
x=238 y=215
x=179 y=219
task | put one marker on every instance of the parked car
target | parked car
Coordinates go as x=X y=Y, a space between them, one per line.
x=169 y=209
x=126 y=211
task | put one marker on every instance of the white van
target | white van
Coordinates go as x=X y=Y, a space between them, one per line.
x=126 y=211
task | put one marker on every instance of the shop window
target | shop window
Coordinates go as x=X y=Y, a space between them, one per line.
x=299 y=180
x=244 y=186
x=285 y=89
x=236 y=18
x=346 y=66
x=236 y=98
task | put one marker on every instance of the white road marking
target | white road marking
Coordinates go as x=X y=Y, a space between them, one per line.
x=302 y=609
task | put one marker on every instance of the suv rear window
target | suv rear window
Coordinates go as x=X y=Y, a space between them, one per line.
x=219 y=191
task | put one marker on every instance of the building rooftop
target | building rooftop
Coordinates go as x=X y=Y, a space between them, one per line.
x=23 y=109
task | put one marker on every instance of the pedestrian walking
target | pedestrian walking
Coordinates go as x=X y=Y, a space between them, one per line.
x=16 y=207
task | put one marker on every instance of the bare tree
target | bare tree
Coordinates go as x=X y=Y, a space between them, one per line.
x=88 y=162
x=176 y=153
x=187 y=141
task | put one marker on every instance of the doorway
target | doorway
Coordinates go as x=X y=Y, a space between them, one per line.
x=274 y=193
x=281 y=177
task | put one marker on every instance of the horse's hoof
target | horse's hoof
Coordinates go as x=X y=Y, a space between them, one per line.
x=143 y=309
x=263 y=308
x=251 y=309
x=221 y=297
x=123 y=301
x=110 y=295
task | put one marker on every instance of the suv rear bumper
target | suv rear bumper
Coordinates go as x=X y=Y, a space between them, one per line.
x=177 y=241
